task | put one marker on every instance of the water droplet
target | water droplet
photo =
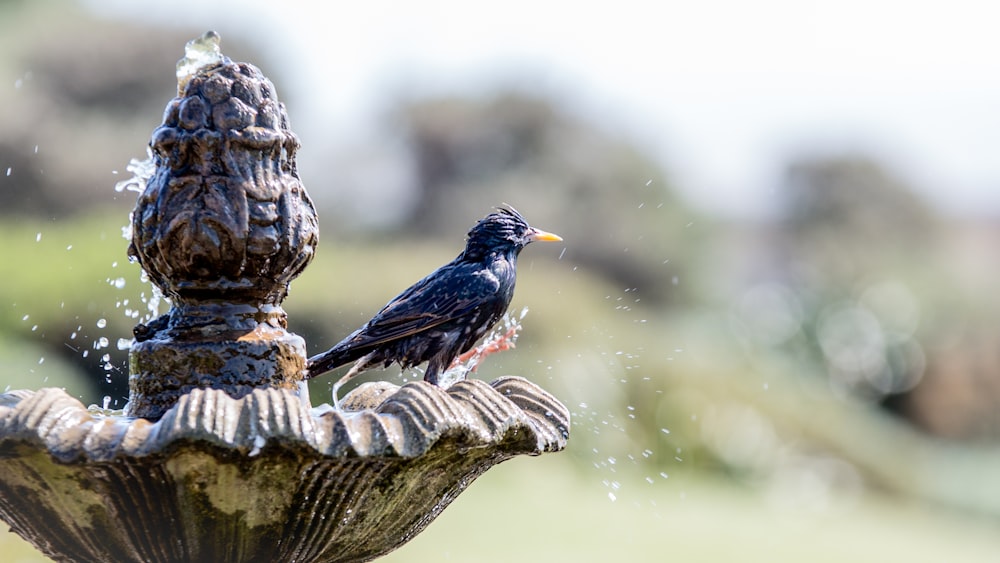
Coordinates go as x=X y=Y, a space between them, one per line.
x=124 y=343
x=101 y=323
x=8 y=170
x=612 y=496
x=38 y=237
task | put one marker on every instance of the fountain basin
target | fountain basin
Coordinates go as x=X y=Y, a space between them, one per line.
x=262 y=477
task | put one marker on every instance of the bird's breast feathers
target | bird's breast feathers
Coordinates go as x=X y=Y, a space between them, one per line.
x=485 y=280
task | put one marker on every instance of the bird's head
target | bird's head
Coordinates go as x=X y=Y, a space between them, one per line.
x=504 y=230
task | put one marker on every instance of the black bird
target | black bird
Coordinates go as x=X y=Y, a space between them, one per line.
x=443 y=315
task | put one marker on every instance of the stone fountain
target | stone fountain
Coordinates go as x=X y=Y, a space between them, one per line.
x=218 y=455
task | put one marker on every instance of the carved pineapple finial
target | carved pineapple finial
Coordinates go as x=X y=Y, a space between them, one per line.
x=222 y=227
x=225 y=215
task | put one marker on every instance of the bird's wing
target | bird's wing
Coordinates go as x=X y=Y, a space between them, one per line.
x=445 y=295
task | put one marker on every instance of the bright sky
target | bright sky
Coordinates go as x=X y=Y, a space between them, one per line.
x=722 y=91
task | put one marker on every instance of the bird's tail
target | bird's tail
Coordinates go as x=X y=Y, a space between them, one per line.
x=331 y=359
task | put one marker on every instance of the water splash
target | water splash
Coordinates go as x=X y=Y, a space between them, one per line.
x=501 y=338
x=198 y=54
x=142 y=171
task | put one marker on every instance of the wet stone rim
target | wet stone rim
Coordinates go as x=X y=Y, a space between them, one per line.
x=511 y=413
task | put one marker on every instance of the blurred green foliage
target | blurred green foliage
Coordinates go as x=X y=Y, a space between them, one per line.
x=60 y=297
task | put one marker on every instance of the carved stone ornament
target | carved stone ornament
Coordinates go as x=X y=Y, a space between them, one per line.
x=221 y=228
x=262 y=478
x=217 y=457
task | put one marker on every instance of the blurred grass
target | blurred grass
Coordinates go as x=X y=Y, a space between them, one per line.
x=57 y=269
x=58 y=285
x=545 y=509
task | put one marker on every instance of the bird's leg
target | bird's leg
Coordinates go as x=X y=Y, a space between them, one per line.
x=500 y=344
x=357 y=368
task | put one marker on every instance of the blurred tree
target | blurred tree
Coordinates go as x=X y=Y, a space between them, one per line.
x=847 y=238
x=869 y=265
x=609 y=201
x=846 y=217
x=87 y=94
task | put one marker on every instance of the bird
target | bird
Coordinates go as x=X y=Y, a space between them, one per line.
x=444 y=314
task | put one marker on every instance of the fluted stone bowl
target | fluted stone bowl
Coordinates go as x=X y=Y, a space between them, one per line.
x=261 y=478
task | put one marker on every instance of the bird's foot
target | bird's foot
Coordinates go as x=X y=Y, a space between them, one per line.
x=498 y=340
x=334 y=392
x=357 y=368
x=502 y=342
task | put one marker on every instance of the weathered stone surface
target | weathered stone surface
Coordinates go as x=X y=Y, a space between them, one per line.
x=260 y=478
x=222 y=226
x=225 y=215
x=233 y=358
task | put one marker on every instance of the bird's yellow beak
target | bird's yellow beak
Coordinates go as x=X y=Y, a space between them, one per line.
x=540 y=235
